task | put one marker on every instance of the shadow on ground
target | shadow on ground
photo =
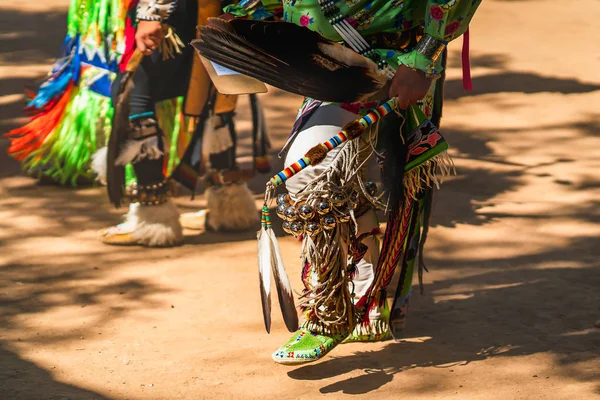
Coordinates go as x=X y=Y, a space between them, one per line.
x=512 y=305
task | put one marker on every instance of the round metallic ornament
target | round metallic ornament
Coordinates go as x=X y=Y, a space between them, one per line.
x=344 y=218
x=282 y=199
x=328 y=222
x=281 y=210
x=290 y=213
x=313 y=228
x=287 y=227
x=297 y=228
x=371 y=188
x=306 y=211
x=323 y=207
x=338 y=199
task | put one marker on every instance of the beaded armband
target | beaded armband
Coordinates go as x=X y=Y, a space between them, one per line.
x=430 y=47
x=425 y=57
x=149 y=195
x=155 y=10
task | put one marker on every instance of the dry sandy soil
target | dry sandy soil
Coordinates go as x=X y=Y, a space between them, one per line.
x=511 y=300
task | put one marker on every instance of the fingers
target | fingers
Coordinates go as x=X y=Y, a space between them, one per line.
x=157 y=35
x=403 y=97
x=147 y=44
x=151 y=43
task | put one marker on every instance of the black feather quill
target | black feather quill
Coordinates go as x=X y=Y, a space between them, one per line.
x=115 y=174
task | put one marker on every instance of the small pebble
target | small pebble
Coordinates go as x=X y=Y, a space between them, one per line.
x=597 y=324
x=151 y=384
x=535 y=376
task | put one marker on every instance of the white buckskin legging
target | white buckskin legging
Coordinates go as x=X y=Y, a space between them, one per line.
x=323 y=124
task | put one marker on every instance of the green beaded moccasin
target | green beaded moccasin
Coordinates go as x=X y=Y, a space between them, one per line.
x=377 y=331
x=306 y=346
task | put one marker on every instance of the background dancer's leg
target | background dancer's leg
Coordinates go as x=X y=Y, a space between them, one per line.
x=153 y=219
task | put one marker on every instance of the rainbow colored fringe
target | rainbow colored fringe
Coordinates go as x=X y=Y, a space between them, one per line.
x=72 y=110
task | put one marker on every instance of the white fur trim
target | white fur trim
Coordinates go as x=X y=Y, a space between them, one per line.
x=231 y=207
x=137 y=150
x=215 y=140
x=98 y=164
x=155 y=226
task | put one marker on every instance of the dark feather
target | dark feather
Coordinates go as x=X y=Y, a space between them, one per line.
x=291 y=58
x=265 y=298
x=284 y=289
x=115 y=174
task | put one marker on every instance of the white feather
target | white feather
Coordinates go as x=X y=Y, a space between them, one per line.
x=265 y=261
x=98 y=164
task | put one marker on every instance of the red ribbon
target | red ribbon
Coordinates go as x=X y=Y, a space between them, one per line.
x=466 y=63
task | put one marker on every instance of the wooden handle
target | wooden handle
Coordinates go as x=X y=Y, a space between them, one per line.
x=135 y=61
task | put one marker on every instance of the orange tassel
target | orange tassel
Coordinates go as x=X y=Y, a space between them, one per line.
x=30 y=137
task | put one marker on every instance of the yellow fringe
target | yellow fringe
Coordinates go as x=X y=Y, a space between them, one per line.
x=171 y=45
x=432 y=172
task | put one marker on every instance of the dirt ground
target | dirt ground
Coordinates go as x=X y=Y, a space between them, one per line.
x=511 y=300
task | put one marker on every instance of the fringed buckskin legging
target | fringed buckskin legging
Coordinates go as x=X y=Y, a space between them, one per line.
x=324 y=123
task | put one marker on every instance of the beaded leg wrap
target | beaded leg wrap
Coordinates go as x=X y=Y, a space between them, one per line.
x=149 y=195
x=144 y=141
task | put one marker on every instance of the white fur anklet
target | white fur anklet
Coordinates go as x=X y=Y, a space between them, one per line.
x=156 y=226
x=231 y=207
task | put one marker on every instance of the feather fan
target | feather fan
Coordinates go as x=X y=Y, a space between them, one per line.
x=291 y=58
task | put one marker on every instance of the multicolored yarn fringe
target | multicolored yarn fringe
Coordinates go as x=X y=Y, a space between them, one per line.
x=311 y=157
x=72 y=110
